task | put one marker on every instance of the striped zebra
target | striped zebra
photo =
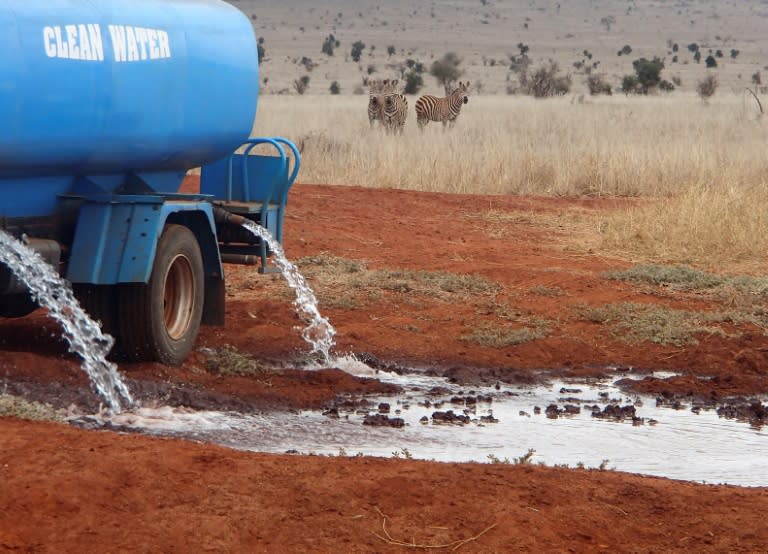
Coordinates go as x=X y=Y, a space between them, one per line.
x=446 y=109
x=376 y=101
x=395 y=109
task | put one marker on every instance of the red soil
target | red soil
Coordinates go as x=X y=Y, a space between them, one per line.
x=66 y=490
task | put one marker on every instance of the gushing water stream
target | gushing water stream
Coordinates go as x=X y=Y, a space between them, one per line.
x=81 y=332
x=319 y=332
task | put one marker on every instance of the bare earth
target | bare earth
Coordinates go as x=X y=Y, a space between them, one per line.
x=71 y=490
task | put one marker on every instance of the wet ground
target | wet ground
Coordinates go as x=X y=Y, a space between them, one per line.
x=69 y=489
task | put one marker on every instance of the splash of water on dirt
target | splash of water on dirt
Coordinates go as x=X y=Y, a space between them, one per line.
x=81 y=332
x=319 y=332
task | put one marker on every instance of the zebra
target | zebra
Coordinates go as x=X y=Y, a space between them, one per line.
x=446 y=109
x=395 y=109
x=376 y=101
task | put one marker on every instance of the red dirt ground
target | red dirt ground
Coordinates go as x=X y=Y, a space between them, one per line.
x=71 y=490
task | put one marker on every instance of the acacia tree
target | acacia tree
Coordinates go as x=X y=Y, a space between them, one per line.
x=647 y=77
x=446 y=70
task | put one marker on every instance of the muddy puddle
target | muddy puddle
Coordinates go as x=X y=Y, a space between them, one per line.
x=590 y=424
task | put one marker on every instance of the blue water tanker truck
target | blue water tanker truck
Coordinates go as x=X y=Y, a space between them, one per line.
x=105 y=107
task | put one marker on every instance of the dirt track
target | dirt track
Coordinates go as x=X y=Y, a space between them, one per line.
x=68 y=490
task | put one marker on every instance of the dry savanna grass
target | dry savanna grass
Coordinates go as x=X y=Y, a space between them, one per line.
x=699 y=172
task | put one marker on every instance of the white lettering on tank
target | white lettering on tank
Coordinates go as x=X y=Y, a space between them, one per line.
x=141 y=40
x=48 y=41
x=72 y=46
x=165 y=44
x=97 y=46
x=61 y=46
x=154 y=51
x=84 y=42
x=133 y=52
x=117 y=32
x=79 y=41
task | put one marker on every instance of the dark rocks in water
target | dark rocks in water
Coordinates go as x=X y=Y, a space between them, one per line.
x=333 y=413
x=553 y=411
x=424 y=420
x=564 y=390
x=752 y=411
x=536 y=410
x=384 y=408
x=380 y=420
x=488 y=419
x=450 y=417
x=616 y=412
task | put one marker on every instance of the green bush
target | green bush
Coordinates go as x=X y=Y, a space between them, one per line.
x=357 y=50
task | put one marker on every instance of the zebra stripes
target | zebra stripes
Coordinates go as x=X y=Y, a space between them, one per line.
x=445 y=109
x=395 y=112
x=386 y=105
x=375 y=101
x=390 y=108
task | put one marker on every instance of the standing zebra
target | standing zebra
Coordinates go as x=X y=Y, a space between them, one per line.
x=446 y=109
x=375 y=101
x=395 y=109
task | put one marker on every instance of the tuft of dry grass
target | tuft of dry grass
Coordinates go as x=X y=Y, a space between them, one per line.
x=229 y=361
x=15 y=406
x=341 y=282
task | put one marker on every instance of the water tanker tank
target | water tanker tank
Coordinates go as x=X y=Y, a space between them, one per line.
x=110 y=88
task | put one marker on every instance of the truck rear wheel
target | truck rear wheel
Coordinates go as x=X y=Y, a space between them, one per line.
x=159 y=320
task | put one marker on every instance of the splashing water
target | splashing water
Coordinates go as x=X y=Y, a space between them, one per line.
x=319 y=332
x=83 y=334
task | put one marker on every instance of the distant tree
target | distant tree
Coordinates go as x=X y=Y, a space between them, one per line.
x=545 y=81
x=734 y=53
x=391 y=51
x=357 y=50
x=446 y=70
x=630 y=85
x=718 y=53
x=418 y=67
x=757 y=79
x=693 y=47
x=335 y=88
x=301 y=84
x=648 y=73
x=707 y=87
x=598 y=85
x=413 y=82
x=675 y=47
x=697 y=56
x=308 y=64
x=626 y=50
x=711 y=61
x=329 y=45
x=607 y=21
x=666 y=86
x=520 y=63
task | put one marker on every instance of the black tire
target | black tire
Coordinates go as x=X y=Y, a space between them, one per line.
x=100 y=301
x=159 y=320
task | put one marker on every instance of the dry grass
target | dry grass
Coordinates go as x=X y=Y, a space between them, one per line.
x=15 y=406
x=655 y=146
x=700 y=173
